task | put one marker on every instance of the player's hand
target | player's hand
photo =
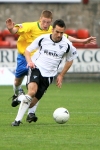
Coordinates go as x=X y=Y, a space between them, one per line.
x=31 y=65
x=59 y=80
x=10 y=24
x=91 y=40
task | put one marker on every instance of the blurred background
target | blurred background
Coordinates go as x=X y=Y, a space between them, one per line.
x=82 y=18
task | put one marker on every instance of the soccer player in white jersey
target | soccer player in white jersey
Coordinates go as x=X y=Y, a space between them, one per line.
x=28 y=32
x=44 y=65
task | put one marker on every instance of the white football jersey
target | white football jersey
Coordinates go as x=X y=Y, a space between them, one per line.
x=49 y=54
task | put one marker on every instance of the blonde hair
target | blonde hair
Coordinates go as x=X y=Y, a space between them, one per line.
x=47 y=14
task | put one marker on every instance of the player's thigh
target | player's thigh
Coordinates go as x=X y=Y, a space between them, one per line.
x=21 y=69
x=33 y=76
x=43 y=86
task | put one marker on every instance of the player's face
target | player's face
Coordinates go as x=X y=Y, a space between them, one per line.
x=57 y=33
x=45 y=23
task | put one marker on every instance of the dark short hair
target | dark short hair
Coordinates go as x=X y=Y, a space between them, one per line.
x=60 y=23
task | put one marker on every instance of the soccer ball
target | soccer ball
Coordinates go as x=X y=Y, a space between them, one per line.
x=61 y=115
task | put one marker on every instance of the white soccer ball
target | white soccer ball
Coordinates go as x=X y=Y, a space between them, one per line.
x=61 y=115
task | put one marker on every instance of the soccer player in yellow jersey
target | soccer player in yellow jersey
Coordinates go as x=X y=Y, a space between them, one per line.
x=28 y=32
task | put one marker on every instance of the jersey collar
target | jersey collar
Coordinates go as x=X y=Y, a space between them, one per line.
x=40 y=27
x=52 y=39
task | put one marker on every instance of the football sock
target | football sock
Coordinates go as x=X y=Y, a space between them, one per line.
x=24 y=105
x=16 y=89
x=33 y=109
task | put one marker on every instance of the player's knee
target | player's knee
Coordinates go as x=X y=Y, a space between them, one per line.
x=32 y=92
x=17 y=81
x=32 y=89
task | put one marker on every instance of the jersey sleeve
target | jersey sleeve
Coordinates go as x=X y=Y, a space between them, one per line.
x=35 y=44
x=24 y=28
x=72 y=54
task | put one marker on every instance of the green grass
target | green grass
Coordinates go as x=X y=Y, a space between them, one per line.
x=81 y=132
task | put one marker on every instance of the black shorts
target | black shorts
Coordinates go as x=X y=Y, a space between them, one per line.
x=43 y=83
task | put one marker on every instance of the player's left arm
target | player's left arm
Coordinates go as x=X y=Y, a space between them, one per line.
x=91 y=40
x=60 y=76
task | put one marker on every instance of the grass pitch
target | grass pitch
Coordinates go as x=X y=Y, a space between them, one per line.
x=81 y=132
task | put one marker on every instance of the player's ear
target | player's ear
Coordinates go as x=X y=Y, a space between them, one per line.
x=52 y=30
x=40 y=19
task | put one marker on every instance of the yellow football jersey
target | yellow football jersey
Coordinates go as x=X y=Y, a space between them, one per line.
x=28 y=32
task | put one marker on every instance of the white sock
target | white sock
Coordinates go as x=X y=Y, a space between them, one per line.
x=16 y=89
x=24 y=105
x=33 y=109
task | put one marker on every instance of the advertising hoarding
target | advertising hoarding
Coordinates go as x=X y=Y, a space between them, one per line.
x=87 y=61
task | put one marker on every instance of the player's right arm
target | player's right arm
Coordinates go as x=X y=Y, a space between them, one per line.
x=28 y=59
x=11 y=26
x=33 y=46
